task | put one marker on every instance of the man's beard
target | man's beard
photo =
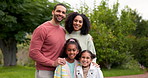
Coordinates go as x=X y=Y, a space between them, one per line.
x=56 y=19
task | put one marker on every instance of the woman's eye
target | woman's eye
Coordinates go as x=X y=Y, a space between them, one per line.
x=75 y=20
x=80 y=21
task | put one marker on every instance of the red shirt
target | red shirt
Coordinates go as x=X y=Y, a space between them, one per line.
x=46 y=45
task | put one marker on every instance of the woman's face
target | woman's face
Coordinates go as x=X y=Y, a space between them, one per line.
x=77 y=23
x=85 y=59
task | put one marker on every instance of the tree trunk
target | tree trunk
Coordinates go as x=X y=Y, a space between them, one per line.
x=9 y=50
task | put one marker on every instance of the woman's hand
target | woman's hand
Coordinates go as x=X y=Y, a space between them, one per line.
x=96 y=65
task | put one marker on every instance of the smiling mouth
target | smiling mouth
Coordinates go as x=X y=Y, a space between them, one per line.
x=84 y=62
x=76 y=27
x=59 y=18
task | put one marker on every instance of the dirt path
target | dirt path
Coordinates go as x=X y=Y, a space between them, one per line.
x=132 y=76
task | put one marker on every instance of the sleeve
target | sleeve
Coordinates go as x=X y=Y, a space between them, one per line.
x=99 y=73
x=36 y=44
x=91 y=46
x=57 y=72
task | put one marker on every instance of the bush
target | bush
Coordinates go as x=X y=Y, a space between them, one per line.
x=131 y=64
x=140 y=50
x=23 y=58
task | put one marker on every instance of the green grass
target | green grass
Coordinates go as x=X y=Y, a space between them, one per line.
x=17 y=72
x=121 y=72
x=29 y=72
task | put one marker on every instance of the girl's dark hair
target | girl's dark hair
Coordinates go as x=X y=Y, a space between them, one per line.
x=71 y=41
x=69 y=23
x=88 y=51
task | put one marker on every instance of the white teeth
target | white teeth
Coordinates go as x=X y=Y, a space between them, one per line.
x=59 y=18
x=76 y=26
x=84 y=62
x=71 y=55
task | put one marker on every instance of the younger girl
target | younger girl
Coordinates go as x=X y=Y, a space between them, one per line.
x=70 y=53
x=86 y=69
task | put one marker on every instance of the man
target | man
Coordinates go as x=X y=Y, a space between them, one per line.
x=47 y=42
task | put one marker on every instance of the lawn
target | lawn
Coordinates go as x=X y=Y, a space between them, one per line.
x=17 y=72
x=28 y=72
x=121 y=72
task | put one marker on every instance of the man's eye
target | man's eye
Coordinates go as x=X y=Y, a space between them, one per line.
x=63 y=12
x=58 y=11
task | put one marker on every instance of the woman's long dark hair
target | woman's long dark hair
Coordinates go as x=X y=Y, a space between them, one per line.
x=69 y=23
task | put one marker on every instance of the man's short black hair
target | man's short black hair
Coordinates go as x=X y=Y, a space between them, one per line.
x=58 y=5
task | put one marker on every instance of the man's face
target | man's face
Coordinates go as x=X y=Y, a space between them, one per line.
x=59 y=13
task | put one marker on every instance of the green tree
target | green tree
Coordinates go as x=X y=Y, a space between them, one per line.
x=140 y=41
x=116 y=36
x=142 y=29
x=19 y=17
x=141 y=25
x=110 y=33
x=140 y=50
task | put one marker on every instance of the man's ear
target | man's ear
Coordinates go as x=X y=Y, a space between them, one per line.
x=52 y=12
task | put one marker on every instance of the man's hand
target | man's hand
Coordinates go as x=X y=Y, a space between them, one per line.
x=59 y=61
